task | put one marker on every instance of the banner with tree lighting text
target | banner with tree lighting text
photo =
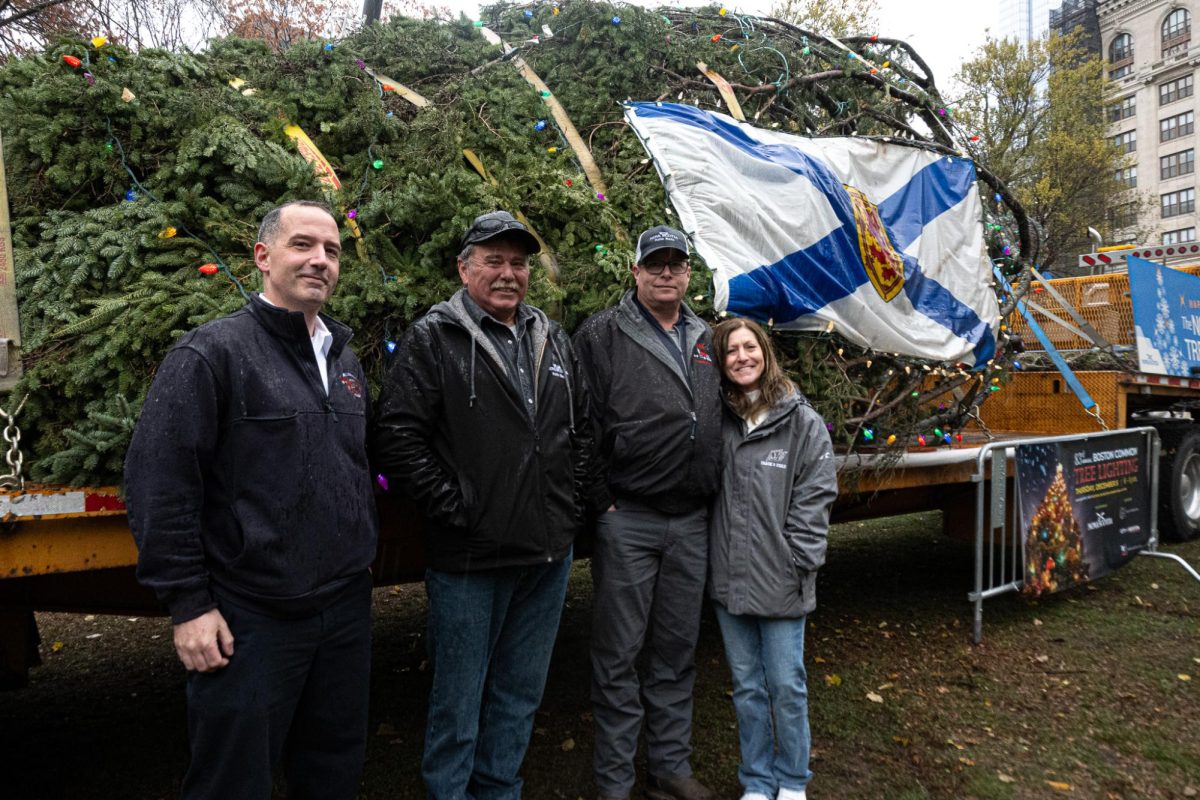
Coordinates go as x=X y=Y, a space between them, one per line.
x=1084 y=508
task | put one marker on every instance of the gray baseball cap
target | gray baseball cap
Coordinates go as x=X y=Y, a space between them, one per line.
x=658 y=238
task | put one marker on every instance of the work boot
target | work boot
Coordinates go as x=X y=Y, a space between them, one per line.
x=677 y=787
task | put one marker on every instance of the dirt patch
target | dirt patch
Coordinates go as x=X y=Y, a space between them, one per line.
x=1088 y=694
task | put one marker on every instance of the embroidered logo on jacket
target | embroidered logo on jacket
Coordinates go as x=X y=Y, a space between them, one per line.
x=776 y=458
x=701 y=354
x=350 y=381
x=557 y=371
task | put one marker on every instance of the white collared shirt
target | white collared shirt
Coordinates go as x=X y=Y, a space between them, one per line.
x=321 y=340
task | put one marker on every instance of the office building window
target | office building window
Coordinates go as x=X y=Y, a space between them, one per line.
x=1176 y=126
x=1120 y=56
x=1122 y=110
x=1127 y=141
x=1176 y=164
x=1176 y=203
x=1174 y=90
x=1127 y=177
x=1180 y=236
x=1123 y=216
x=1176 y=32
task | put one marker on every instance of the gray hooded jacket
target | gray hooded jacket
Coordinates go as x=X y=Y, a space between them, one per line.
x=769 y=526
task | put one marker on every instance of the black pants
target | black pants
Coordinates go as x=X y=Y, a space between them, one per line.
x=294 y=696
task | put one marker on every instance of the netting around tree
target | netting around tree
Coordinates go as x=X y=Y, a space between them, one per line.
x=131 y=171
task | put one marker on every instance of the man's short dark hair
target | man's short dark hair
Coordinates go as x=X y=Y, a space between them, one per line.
x=269 y=228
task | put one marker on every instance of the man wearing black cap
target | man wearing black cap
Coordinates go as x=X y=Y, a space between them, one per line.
x=483 y=421
x=657 y=420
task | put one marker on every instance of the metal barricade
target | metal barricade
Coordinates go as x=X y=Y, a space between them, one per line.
x=999 y=563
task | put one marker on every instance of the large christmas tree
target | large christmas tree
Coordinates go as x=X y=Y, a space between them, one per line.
x=136 y=181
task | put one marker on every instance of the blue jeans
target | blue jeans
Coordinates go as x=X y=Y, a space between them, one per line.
x=766 y=657
x=491 y=634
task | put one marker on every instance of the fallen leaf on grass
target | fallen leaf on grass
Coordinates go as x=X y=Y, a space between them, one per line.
x=56 y=646
x=568 y=745
x=1005 y=778
x=93 y=636
x=903 y=741
x=886 y=686
x=1059 y=785
x=970 y=762
x=1183 y=677
x=833 y=680
x=1037 y=622
x=818 y=660
x=943 y=690
x=874 y=698
x=1041 y=659
x=956 y=745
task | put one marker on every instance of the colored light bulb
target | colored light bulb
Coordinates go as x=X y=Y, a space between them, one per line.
x=208 y=269
x=377 y=163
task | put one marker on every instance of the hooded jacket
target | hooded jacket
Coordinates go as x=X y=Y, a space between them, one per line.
x=499 y=485
x=244 y=479
x=658 y=430
x=770 y=522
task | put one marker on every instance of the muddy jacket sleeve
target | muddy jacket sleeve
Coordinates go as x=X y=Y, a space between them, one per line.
x=174 y=444
x=590 y=483
x=813 y=492
x=407 y=418
x=594 y=368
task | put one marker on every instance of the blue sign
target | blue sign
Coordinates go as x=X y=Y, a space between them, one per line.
x=1166 y=316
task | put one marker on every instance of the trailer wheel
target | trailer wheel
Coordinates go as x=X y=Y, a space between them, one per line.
x=1179 y=479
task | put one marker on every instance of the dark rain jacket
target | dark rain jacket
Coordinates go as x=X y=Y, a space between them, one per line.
x=770 y=523
x=658 y=429
x=244 y=479
x=500 y=486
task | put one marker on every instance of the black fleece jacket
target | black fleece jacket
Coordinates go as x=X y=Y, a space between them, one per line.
x=499 y=485
x=658 y=434
x=244 y=480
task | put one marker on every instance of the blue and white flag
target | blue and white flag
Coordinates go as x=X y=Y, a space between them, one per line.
x=882 y=240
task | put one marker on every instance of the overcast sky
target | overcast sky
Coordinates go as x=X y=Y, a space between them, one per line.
x=944 y=32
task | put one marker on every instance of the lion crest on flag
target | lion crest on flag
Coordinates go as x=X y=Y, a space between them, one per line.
x=882 y=263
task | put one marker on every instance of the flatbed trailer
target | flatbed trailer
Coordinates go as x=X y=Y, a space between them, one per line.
x=68 y=549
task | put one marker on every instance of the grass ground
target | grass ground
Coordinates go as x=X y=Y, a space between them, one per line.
x=1088 y=694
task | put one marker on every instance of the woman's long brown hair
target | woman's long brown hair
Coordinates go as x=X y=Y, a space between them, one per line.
x=773 y=386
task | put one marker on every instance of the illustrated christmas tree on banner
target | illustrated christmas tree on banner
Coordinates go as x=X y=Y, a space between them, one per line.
x=1054 y=544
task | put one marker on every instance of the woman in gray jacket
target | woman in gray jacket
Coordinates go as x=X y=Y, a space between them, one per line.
x=767 y=539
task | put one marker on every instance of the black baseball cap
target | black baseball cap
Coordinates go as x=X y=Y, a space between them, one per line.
x=658 y=238
x=499 y=223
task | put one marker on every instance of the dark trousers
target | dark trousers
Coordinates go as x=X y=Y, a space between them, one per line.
x=648 y=572
x=293 y=697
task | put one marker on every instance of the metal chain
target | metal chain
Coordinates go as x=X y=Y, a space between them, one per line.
x=14 y=478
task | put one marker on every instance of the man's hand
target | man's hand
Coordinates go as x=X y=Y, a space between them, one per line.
x=205 y=643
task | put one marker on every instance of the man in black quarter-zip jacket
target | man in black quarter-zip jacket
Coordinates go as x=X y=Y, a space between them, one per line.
x=251 y=503
x=483 y=421
x=657 y=416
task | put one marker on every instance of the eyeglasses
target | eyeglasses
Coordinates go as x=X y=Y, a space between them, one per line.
x=677 y=267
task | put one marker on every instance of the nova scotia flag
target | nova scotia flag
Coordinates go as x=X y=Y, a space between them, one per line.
x=883 y=240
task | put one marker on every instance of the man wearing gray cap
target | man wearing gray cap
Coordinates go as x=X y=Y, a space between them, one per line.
x=483 y=421
x=656 y=412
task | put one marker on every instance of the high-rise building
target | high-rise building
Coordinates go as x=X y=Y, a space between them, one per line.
x=1150 y=58
x=1080 y=15
x=1023 y=20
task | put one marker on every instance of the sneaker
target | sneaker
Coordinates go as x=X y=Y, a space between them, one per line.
x=791 y=794
x=677 y=787
x=754 y=796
